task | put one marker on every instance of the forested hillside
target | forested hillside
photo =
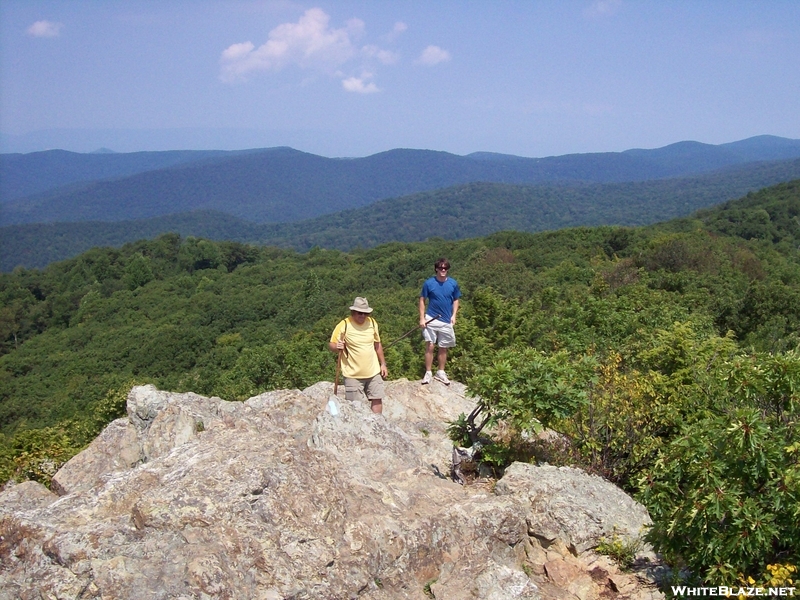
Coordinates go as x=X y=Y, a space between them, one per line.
x=35 y=245
x=667 y=354
x=27 y=174
x=278 y=185
x=457 y=212
x=479 y=209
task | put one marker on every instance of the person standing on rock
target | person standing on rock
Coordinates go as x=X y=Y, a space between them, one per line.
x=358 y=343
x=442 y=293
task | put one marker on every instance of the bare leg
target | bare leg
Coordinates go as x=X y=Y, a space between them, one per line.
x=442 y=358
x=429 y=356
x=377 y=405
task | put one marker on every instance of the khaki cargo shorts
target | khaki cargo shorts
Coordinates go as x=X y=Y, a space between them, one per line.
x=371 y=387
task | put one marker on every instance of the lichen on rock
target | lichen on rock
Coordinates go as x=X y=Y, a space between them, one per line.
x=277 y=497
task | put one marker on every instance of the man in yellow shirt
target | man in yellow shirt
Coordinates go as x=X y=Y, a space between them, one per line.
x=358 y=341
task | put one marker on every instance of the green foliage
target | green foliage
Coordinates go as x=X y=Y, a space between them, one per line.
x=622 y=550
x=770 y=215
x=497 y=456
x=724 y=496
x=530 y=388
x=302 y=219
x=641 y=346
x=458 y=431
x=138 y=272
x=37 y=454
x=296 y=363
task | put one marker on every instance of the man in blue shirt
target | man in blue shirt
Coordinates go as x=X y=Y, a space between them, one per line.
x=442 y=293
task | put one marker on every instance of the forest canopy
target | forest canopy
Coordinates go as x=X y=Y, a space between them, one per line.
x=653 y=347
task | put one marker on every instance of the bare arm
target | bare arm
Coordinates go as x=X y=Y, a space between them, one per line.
x=379 y=352
x=455 y=310
x=338 y=345
x=422 y=312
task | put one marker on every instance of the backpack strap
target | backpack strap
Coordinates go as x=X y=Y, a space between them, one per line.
x=343 y=335
x=374 y=325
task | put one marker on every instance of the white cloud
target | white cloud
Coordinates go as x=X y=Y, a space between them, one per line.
x=237 y=51
x=46 y=29
x=387 y=57
x=433 y=55
x=602 y=8
x=309 y=43
x=312 y=44
x=398 y=30
x=359 y=85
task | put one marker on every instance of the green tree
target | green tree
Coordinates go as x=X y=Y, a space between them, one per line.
x=725 y=496
x=529 y=389
x=138 y=272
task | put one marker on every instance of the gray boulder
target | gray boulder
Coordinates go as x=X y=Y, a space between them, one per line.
x=572 y=506
x=277 y=497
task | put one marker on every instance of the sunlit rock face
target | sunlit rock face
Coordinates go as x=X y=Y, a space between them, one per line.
x=277 y=497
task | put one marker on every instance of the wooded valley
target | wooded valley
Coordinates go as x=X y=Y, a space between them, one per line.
x=667 y=354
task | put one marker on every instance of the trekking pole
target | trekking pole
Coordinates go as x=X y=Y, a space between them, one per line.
x=336 y=378
x=339 y=365
x=409 y=332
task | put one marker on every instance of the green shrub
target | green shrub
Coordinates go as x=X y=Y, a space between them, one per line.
x=37 y=454
x=725 y=496
x=622 y=550
x=529 y=388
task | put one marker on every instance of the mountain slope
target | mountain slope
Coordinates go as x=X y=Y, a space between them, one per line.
x=456 y=212
x=39 y=244
x=480 y=209
x=27 y=174
x=283 y=185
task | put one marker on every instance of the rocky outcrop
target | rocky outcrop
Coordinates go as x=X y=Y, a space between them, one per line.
x=278 y=497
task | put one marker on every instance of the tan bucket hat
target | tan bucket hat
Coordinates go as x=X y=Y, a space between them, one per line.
x=361 y=305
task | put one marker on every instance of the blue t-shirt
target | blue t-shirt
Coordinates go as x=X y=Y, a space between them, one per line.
x=440 y=296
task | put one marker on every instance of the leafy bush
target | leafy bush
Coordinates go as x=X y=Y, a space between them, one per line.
x=725 y=496
x=529 y=388
x=37 y=454
x=297 y=363
x=780 y=575
x=622 y=550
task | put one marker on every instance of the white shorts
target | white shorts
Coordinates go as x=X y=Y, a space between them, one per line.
x=439 y=333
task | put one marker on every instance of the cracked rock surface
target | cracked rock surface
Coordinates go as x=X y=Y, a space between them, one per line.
x=275 y=498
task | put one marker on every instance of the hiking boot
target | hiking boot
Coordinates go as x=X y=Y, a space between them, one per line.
x=442 y=376
x=427 y=378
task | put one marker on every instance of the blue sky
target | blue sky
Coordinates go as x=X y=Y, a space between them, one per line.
x=352 y=78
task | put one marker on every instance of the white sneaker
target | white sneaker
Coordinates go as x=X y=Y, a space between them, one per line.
x=427 y=378
x=442 y=376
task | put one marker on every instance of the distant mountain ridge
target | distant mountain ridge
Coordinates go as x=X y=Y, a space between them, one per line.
x=28 y=174
x=457 y=212
x=283 y=185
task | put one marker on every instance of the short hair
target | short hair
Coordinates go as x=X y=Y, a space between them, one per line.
x=442 y=262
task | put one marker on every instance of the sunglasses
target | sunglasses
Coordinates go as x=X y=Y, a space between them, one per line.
x=442 y=268
x=358 y=312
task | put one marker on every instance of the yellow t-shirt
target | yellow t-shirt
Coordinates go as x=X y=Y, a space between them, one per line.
x=359 y=360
